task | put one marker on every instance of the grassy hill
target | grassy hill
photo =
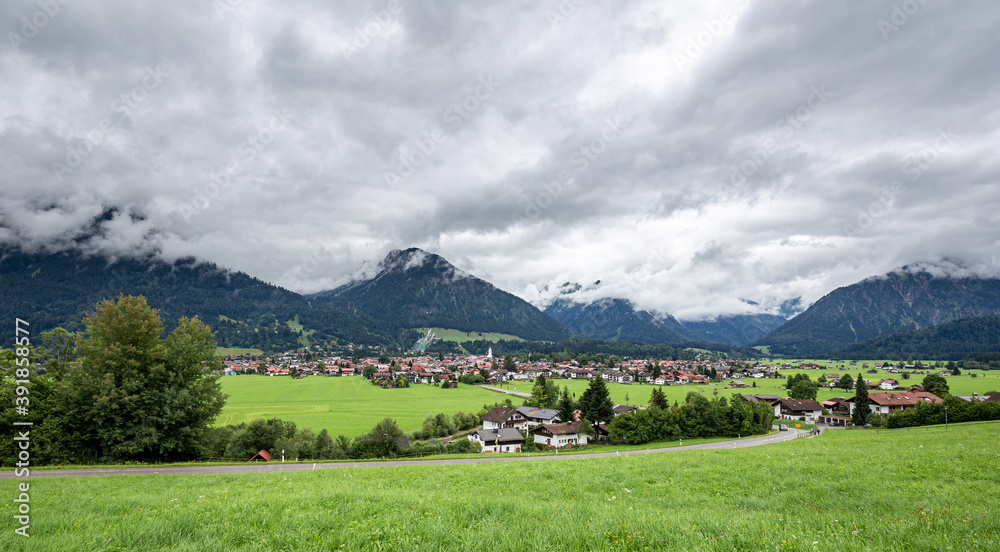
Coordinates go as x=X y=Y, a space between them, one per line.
x=808 y=494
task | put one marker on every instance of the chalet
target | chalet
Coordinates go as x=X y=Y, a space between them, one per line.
x=560 y=435
x=801 y=408
x=738 y=384
x=538 y=416
x=838 y=406
x=888 y=384
x=498 y=440
x=889 y=403
x=504 y=417
x=773 y=400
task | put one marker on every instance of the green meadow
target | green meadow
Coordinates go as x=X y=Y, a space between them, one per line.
x=638 y=393
x=344 y=406
x=351 y=406
x=458 y=336
x=822 y=493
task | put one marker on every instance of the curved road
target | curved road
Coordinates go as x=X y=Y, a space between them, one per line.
x=278 y=467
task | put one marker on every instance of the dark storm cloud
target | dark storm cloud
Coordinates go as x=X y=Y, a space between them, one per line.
x=686 y=156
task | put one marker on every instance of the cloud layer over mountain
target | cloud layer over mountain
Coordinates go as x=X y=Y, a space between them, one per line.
x=688 y=156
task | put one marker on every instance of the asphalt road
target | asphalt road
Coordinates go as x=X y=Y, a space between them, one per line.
x=508 y=391
x=272 y=467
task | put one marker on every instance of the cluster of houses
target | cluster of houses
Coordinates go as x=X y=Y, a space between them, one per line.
x=840 y=410
x=429 y=369
x=504 y=429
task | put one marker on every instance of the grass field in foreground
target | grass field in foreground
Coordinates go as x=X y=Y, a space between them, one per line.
x=825 y=493
x=344 y=406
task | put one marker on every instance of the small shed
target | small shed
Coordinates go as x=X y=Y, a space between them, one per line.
x=262 y=455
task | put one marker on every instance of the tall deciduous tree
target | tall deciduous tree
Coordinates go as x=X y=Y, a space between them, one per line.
x=861 y=402
x=936 y=384
x=136 y=397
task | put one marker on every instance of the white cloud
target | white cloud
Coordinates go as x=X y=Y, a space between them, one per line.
x=649 y=207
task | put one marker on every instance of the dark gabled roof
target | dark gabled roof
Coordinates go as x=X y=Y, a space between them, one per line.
x=501 y=414
x=800 y=405
x=537 y=413
x=502 y=436
x=995 y=397
x=770 y=399
x=558 y=429
x=623 y=408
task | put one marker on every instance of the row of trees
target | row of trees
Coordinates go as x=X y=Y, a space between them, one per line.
x=118 y=392
x=958 y=411
x=697 y=417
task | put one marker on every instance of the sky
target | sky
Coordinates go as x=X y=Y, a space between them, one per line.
x=689 y=156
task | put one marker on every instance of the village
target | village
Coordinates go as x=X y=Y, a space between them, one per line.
x=506 y=429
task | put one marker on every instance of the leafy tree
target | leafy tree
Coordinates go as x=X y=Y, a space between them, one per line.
x=368 y=372
x=956 y=372
x=861 y=403
x=136 y=397
x=804 y=389
x=658 y=399
x=386 y=430
x=508 y=363
x=323 y=449
x=59 y=351
x=845 y=382
x=936 y=384
x=545 y=394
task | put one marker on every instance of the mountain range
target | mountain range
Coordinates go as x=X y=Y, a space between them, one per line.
x=616 y=318
x=59 y=289
x=911 y=298
x=413 y=289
